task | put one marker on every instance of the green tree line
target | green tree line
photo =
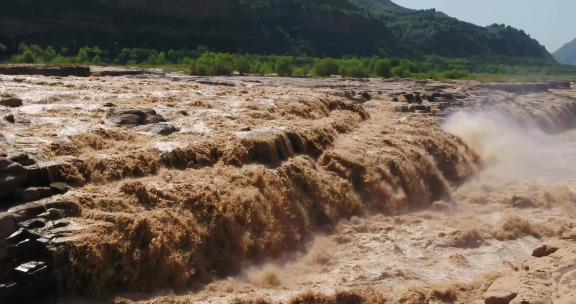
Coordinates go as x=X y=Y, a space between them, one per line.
x=203 y=62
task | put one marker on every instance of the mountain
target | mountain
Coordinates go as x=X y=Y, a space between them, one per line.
x=312 y=27
x=317 y=27
x=433 y=32
x=567 y=53
x=381 y=8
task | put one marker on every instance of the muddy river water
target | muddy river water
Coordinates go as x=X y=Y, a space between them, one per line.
x=523 y=194
x=167 y=188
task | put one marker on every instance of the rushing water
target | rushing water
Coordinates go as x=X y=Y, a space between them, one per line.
x=458 y=241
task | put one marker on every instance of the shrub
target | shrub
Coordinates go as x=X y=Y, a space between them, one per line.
x=284 y=66
x=212 y=64
x=202 y=62
x=352 y=68
x=400 y=71
x=456 y=74
x=242 y=65
x=383 y=67
x=326 y=67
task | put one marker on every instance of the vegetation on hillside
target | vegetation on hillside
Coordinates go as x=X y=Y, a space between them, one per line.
x=203 y=62
x=291 y=27
x=433 y=32
x=295 y=27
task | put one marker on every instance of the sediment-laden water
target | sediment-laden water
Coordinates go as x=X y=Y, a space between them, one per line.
x=181 y=189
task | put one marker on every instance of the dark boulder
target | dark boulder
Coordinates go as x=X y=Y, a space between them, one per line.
x=45 y=71
x=10 y=118
x=12 y=175
x=414 y=108
x=500 y=298
x=11 y=102
x=59 y=187
x=32 y=193
x=543 y=251
x=7 y=224
x=52 y=214
x=23 y=159
x=21 y=235
x=410 y=98
x=161 y=129
x=34 y=223
x=42 y=174
x=34 y=209
x=132 y=117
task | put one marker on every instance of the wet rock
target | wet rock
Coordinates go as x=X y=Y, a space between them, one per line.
x=12 y=175
x=406 y=98
x=62 y=240
x=366 y=95
x=441 y=99
x=161 y=129
x=21 y=235
x=428 y=96
x=23 y=159
x=7 y=225
x=543 y=251
x=410 y=97
x=22 y=121
x=10 y=118
x=360 y=97
x=30 y=268
x=52 y=214
x=419 y=108
x=32 y=193
x=216 y=83
x=418 y=98
x=415 y=108
x=28 y=210
x=34 y=223
x=45 y=71
x=116 y=73
x=9 y=291
x=59 y=224
x=500 y=297
x=11 y=102
x=30 y=281
x=27 y=248
x=33 y=209
x=134 y=117
x=59 y=187
x=402 y=109
x=348 y=94
x=43 y=174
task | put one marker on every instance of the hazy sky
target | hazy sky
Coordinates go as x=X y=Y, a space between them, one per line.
x=552 y=22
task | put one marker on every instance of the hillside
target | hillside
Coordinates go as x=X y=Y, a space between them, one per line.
x=433 y=32
x=381 y=8
x=567 y=53
x=310 y=27
x=267 y=26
